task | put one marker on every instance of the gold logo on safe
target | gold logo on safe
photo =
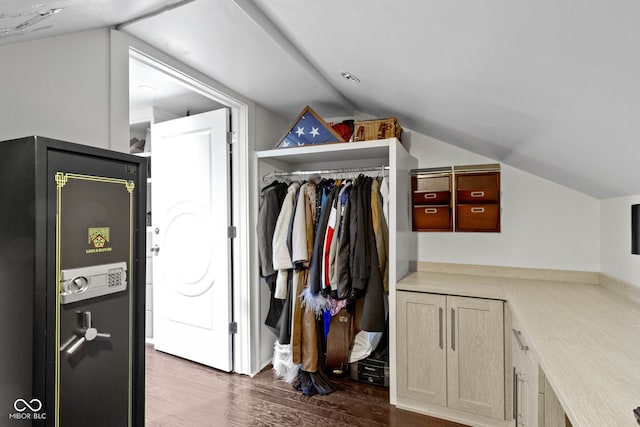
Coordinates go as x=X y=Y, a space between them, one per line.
x=98 y=240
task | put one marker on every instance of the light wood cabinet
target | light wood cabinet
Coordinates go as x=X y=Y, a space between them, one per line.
x=422 y=356
x=534 y=402
x=451 y=352
x=525 y=377
x=551 y=412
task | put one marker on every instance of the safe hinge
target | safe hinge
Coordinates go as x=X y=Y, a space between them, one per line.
x=229 y=138
x=233 y=327
x=232 y=231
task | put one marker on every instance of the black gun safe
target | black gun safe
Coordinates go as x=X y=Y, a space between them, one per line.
x=72 y=275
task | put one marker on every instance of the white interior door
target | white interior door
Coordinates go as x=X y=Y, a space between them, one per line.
x=191 y=211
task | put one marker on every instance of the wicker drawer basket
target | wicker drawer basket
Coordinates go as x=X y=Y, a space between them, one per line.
x=367 y=130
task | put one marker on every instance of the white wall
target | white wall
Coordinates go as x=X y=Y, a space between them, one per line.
x=269 y=130
x=615 y=229
x=544 y=225
x=57 y=87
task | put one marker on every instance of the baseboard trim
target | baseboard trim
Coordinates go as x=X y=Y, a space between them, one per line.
x=622 y=288
x=449 y=414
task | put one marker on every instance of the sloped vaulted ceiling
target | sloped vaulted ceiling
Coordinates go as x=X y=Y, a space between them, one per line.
x=550 y=87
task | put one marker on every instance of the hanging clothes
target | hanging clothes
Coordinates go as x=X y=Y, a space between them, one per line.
x=303 y=226
x=384 y=192
x=339 y=253
x=329 y=248
x=304 y=330
x=280 y=251
x=283 y=365
x=359 y=255
x=307 y=342
x=366 y=277
x=272 y=198
x=381 y=232
x=315 y=274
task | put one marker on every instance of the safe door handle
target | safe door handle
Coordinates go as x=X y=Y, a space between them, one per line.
x=441 y=318
x=86 y=334
x=518 y=335
x=453 y=330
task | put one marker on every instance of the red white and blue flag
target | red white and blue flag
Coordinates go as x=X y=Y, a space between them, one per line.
x=309 y=129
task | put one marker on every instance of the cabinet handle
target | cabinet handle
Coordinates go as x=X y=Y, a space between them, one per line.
x=520 y=399
x=515 y=394
x=453 y=329
x=430 y=210
x=429 y=195
x=441 y=329
x=477 y=210
x=477 y=194
x=518 y=335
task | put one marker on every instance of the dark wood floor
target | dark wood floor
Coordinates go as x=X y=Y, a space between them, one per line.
x=182 y=393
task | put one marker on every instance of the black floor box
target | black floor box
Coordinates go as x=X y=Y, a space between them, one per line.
x=370 y=371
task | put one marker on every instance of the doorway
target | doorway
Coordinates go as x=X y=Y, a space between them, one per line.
x=158 y=94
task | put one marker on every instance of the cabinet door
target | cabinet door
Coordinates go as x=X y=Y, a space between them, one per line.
x=475 y=355
x=421 y=364
x=525 y=365
x=554 y=415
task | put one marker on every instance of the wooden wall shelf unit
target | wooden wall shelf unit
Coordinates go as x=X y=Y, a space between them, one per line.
x=431 y=199
x=456 y=198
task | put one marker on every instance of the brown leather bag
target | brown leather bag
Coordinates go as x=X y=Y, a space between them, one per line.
x=339 y=342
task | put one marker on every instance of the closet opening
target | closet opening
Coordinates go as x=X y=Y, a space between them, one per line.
x=323 y=237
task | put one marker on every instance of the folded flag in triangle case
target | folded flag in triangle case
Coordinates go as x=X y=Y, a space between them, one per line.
x=309 y=128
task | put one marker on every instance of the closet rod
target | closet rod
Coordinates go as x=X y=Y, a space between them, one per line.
x=326 y=171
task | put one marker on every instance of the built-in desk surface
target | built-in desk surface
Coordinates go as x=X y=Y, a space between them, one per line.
x=586 y=338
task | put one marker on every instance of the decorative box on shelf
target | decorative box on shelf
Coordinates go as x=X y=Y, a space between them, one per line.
x=367 y=130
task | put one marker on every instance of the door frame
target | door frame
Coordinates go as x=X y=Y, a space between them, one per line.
x=123 y=47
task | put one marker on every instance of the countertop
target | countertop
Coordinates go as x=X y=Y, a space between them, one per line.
x=586 y=338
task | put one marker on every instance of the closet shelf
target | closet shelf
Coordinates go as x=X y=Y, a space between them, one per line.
x=331 y=152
